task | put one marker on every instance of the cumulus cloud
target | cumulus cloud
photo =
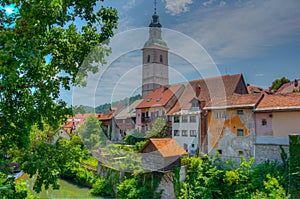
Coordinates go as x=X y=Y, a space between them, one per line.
x=175 y=7
x=243 y=29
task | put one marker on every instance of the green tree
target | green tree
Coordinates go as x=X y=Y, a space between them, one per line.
x=158 y=130
x=91 y=132
x=277 y=83
x=46 y=161
x=78 y=109
x=43 y=51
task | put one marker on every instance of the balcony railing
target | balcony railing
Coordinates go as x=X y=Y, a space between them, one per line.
x=146 y=119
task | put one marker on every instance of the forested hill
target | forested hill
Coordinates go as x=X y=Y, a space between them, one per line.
x=104 y=107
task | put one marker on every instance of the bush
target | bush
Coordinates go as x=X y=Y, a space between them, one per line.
x=101 y=187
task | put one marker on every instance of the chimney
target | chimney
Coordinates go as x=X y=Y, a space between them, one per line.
x=296 y=83
x=165 y=88
x=198 y=90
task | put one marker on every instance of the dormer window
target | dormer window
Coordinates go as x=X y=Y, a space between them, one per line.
x=158 y=99
x=149 y=99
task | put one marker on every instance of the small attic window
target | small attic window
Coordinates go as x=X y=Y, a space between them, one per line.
x=263 y=122
x=158 y=99
x=149 y=99
x=240 y=112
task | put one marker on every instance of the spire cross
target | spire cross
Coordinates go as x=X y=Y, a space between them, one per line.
x=155 y=4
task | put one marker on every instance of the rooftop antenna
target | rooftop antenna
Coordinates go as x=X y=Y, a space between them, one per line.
x=155 y=4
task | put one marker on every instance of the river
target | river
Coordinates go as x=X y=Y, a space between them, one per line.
x=67 y=190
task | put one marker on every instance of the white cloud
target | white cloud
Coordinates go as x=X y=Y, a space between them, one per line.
x=242 y=30
x=259 y=75
x=175 y=7
x=222 y=4
x=209 y=2
x=129 y=4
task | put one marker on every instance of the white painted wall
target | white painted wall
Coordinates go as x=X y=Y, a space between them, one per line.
x=182 y=140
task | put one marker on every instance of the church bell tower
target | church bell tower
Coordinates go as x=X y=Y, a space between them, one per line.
x=155 y=59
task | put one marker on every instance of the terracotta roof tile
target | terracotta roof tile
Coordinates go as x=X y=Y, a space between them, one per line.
x=289 y=87
x=210 y=88
x=113 y=111
x=167 y=147
x=159 y=96
x=279 y=102
x=129 y=111
x=235 y=100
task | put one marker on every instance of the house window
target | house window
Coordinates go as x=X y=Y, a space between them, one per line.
x=219 y=151
x=148 y=58
x=195 y=104
x=184 y=119
x=193 y=145
x=192 y=119
x=176 y=119
x=176 y=133
x=240 y=112
x=220 y=114
x=241 y=153
x=193 y=133
x=240 y=132
x=263 y=122
x=184 y=133
x=161 y=59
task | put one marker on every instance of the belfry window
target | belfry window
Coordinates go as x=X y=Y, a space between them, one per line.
x=161 y=59
x=148 y=58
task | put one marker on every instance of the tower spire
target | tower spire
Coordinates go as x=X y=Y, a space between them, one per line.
x=155 y=5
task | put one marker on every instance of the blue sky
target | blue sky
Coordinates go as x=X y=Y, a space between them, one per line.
x=260 y=39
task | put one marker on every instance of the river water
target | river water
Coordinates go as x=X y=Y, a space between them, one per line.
x=67 y=190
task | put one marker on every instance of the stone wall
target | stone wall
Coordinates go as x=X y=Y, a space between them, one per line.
x=270 y=152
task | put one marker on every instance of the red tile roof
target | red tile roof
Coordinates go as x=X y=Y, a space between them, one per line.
x=289 y=87
x=210 y=88
x=257 y=89
x=168 y=147
x=159 y=96
x=288 y=101
x=113 y=111
x=235 y=101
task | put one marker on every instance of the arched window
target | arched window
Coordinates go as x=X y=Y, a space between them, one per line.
x=148 y=58
x=161 y=59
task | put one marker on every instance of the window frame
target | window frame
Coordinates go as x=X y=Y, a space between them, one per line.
x=177 y=120
x=193 y=116
x=184 y=134
x=177 y=133
x=194 y=134
x=239 y=131
x=186 y=120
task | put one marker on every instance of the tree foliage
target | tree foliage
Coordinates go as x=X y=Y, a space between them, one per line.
x=42 y=51
x=213 y=178
x=91 y=132
x=46 y=161
x=277 y=83
x=158 y=130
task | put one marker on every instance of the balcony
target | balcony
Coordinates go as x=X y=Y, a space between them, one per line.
x=146 y=119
